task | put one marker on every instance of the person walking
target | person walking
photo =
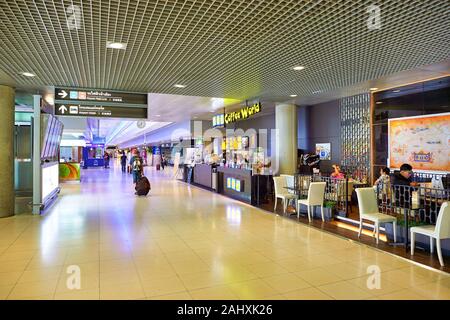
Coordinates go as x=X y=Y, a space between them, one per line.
x=163 y=159
x=123 y=161
x=106 y=160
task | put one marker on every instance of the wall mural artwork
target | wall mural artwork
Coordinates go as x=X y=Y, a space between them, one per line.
x=355 y=135
x=423 y=142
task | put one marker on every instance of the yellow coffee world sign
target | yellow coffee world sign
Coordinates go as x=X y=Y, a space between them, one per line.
x=243 y=114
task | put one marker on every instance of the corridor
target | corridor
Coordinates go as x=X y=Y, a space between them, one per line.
x=182 y=242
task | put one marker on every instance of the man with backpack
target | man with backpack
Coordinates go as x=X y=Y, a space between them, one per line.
x=136 y=167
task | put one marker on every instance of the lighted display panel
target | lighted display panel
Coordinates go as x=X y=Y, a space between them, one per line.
x=423 y=142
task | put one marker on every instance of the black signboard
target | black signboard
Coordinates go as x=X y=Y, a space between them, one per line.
x=103 y=111
x=97 y=96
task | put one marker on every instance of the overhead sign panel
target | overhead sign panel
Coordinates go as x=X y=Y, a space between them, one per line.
x=102 y=111
x=93 y=95
x=77 y=102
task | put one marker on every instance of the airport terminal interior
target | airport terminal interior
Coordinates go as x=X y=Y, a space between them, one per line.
x=224 y=150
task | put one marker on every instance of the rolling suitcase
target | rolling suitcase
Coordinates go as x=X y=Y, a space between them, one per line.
x=142 y=186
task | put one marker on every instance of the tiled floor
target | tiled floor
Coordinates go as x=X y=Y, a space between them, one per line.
x=182 y=242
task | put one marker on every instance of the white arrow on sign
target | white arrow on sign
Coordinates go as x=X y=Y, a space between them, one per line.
x=62 y=94
x=62 y=109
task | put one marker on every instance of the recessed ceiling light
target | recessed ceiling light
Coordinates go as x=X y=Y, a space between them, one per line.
x=179 y=86
x=396 y=91
x=195 y=117
x=298 y=68
x=293 y=95
x=379 y=102
x=116 y=45
x=28 y=74
x=373 y=89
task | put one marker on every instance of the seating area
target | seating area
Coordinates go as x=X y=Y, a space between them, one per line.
x=381 y=213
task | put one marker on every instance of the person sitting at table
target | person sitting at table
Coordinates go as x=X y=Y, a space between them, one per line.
x=384 y=178
x=337 y=174
x=401 y=180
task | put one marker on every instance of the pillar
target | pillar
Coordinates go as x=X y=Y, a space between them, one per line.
x=286 y=125
x=7 y=151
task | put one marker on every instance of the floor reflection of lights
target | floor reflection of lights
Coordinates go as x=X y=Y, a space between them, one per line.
x=234 y=215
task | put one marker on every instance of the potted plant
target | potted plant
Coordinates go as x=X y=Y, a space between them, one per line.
x=329 y=209
x=421 y=240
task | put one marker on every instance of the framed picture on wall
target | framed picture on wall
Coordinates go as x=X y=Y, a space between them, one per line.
x=323 y=150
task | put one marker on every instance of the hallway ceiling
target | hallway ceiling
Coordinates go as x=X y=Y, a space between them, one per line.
x=228 y=48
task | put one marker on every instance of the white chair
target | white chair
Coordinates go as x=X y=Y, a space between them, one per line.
x=316 y=194
x=439 y=232
x=290 y=182
x=368 y=210
x=282 y=193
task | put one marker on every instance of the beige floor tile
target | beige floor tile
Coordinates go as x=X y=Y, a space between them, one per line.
x=318 y=277
x=174 y=296
x=36 y=275
x=253 y=290
x=404 y=294
x=17 y=255
x=432 y=291
x=14 y=266
x=214 y=293
x=307 y=294
x=201 y=280
x=33 y=289
x=286 y=282
x=129 y=291
x=5 y=291
x=267 y=269
x=386 y=286
x=190 y=266
x=404 y=278
x=9 y=278
x=163 y=286
x=92 y=294
x=344 y=291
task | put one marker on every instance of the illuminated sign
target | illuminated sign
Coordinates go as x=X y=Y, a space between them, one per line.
x=218 y=120
x=221 y=119
x=235 y=184
x=243 y=114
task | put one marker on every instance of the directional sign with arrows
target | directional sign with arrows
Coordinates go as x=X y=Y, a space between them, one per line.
x=62 y=94
x=62 y=109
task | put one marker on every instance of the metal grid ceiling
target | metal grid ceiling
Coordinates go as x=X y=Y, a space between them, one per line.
x=224 y=48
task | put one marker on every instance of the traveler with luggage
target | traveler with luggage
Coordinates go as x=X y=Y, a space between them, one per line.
x=137 y=167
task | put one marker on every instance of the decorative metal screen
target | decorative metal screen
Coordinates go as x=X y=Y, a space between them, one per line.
x=355 y=135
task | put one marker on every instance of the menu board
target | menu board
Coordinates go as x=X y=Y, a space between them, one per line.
x=423 y=142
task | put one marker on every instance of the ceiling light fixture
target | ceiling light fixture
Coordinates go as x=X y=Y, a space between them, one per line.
x=28 y=74
x=179 y=86
x=298 y=68
x=293 y=95
x=373 y=89
x=116 y=45
x=396 y=91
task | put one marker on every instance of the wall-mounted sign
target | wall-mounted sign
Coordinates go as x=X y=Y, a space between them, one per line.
x=235 y=184
x=242 y=114
x=93 y=95
x=102 y=111
x=323 y=150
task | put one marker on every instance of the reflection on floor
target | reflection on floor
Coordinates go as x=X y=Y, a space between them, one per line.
x=182 y=242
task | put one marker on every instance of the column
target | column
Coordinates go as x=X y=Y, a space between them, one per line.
x=7 y=151
x=286 y=125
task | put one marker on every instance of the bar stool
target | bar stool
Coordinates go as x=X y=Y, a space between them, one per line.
x=368 y=210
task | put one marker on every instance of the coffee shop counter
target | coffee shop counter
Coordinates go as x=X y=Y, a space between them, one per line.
x=241 y=185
